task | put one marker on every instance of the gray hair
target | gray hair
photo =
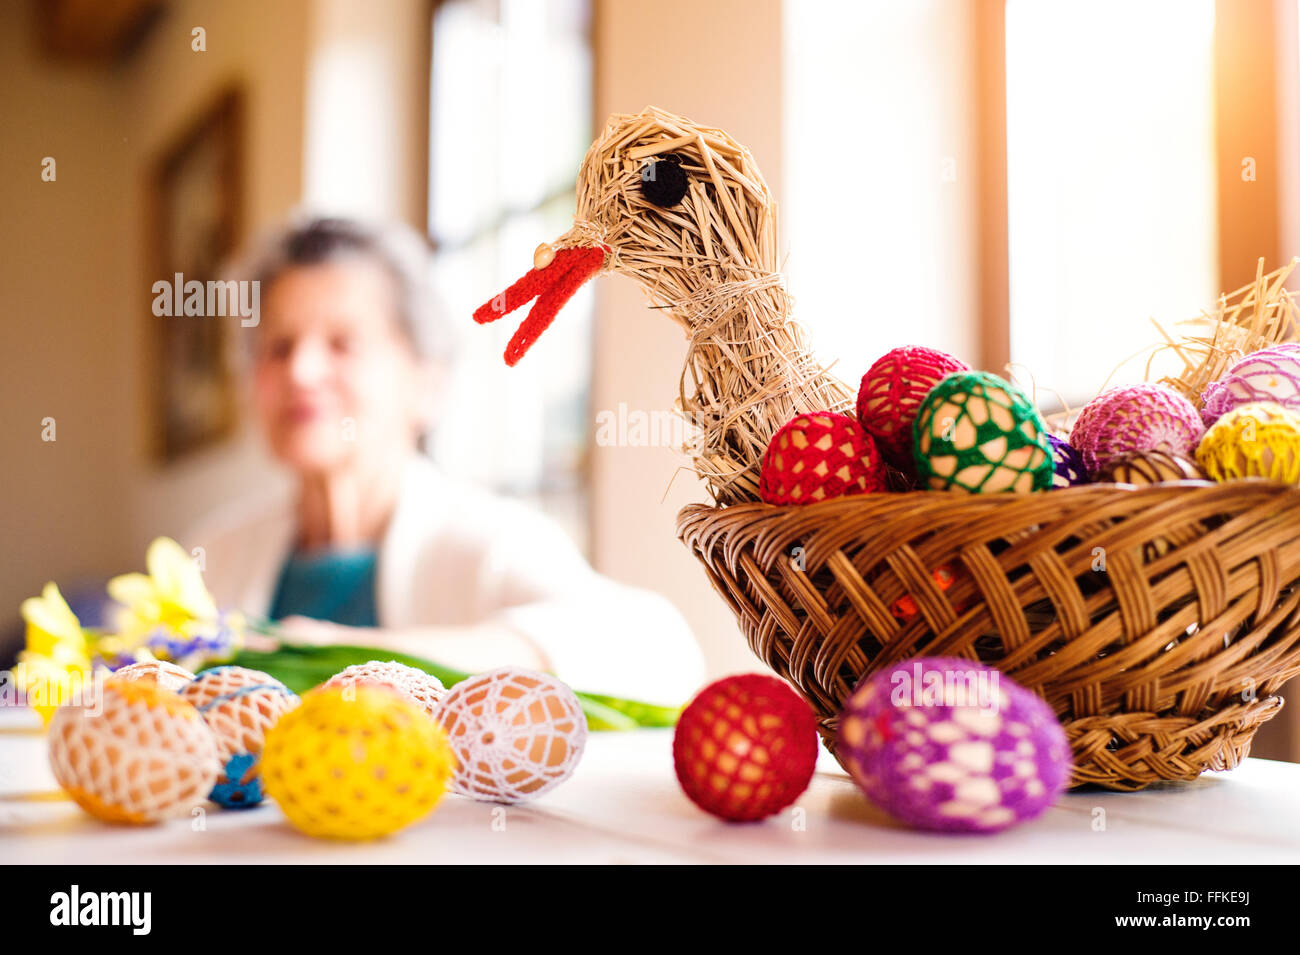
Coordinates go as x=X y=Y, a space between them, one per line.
x=401 y=251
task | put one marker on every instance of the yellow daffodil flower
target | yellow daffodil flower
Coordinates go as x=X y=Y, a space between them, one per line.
x=51 y=623
x=56 y=662
x=171 y=596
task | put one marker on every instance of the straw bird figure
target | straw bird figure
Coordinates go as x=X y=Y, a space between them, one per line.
x=684 y=210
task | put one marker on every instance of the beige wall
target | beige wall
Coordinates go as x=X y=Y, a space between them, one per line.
x=263 y=47
x=62 y=272
x=76 y=282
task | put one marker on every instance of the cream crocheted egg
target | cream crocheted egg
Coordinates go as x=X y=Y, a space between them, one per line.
x=516 y=733
x=239 y=705
x=166 y=674
x=141 y=755
x=416 y=685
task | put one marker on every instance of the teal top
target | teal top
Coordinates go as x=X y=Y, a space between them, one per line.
x=333 y=585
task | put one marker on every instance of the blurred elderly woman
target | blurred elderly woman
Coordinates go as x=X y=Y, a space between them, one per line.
x=376 y=546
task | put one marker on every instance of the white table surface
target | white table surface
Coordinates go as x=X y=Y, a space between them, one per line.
x=623 y=805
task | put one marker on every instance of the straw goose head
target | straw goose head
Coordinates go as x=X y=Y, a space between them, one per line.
x=677 y=206
x=684 y=210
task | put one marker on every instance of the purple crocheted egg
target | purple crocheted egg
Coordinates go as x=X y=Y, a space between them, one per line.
x=1270 y=374
x=947 y=744
x=1142 y=417
x=1067 y=464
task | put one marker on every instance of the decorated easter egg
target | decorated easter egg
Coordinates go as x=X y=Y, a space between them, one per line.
x=1268 y=375
x=140 y=755
x=240 y=720
x=891 y=393
x=1145 y=417
x=218 y=681
x=1151 y=467
x=1254 y=440
x=1067 y=464
x=163 y=672
x=818 y=456
x=416 y=685
x=975 y=432
x=355 y=762
x=745 y=747
x=239 y=705
x=516 y=734
x=948 y=744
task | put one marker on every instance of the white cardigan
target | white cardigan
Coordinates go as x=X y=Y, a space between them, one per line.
x=456 y=555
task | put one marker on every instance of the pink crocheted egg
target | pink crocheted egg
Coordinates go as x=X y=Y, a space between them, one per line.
x=417 y=686
x=140 y=755
x=516 y=733
x=892 y=390
x=944 y=743
x=167 y=675
x=818 y=456
x=1269 y=375
x=1144 y=417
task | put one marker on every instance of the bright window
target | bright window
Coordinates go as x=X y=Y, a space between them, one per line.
x=875 y=197
x=1110 y=181
x=510 y=122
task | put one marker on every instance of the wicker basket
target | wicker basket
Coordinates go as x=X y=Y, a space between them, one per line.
x=1160 y=666
x=1158 y=622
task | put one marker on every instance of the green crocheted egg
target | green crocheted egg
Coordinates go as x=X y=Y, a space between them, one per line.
x=975 y=432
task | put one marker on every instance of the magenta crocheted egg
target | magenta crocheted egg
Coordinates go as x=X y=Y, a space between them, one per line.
x=891 y=392
x=947 y=744
x=1144 y=417
x=1270 y=374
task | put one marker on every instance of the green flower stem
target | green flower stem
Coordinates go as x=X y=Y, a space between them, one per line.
x=301 y=667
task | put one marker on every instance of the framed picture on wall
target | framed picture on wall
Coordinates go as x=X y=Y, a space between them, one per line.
x=196 y=195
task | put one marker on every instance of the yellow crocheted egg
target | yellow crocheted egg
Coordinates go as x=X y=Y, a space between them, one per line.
x=355 y=763
x=136 y=754
x=1253 y=440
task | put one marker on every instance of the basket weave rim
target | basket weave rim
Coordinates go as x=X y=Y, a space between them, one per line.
x=1200 y=493
x=1143 y=694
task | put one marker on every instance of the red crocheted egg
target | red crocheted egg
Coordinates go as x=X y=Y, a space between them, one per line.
x=818 y=456
x=745 y=747
x=891 y=391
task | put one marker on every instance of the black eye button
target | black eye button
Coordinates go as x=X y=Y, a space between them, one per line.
x=663 y=182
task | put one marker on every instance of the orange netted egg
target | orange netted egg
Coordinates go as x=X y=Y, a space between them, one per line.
x=239 y=705
x=166 y=674
x=516 y=733
x=136 y=754
x=416 y=685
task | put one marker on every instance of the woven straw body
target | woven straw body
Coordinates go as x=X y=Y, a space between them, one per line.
x=1160 y=664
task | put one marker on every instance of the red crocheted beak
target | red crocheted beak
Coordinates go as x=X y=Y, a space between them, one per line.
x=551 y=286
